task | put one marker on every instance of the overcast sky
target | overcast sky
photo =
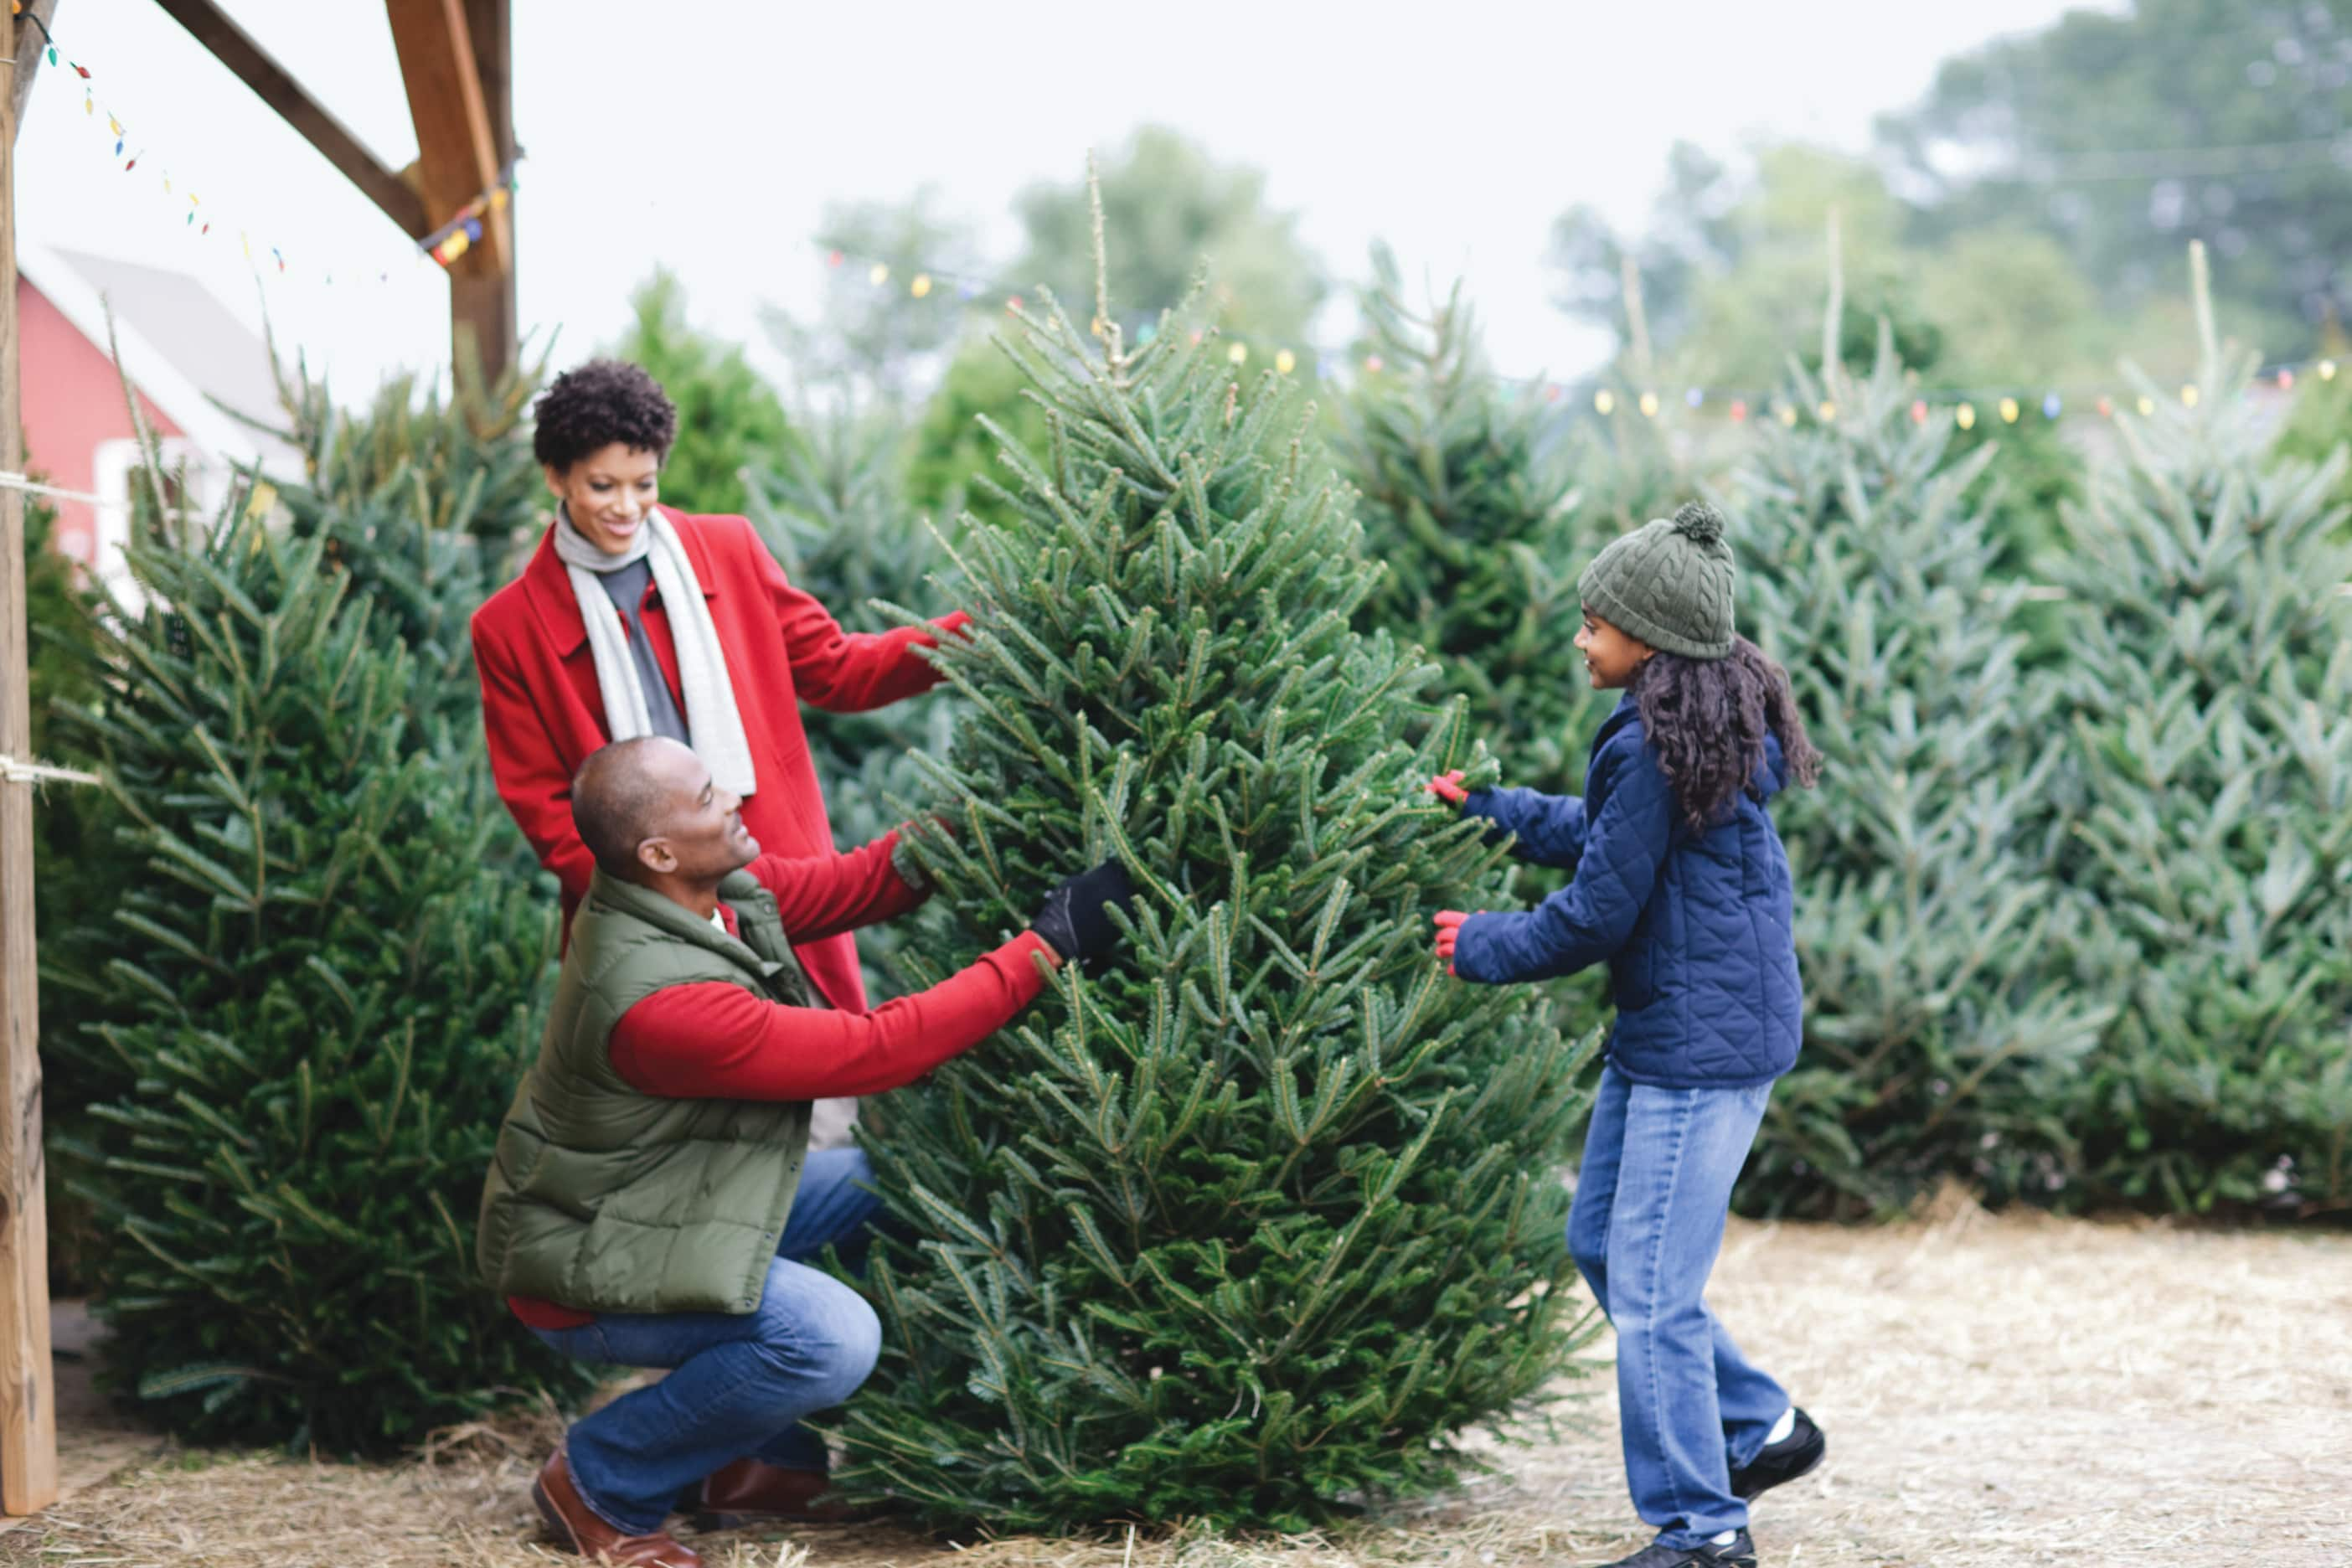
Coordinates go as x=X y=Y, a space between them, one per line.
x=709 y=137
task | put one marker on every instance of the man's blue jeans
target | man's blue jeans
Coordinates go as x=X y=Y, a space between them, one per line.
x=1645 y=1229
x=740 y=1382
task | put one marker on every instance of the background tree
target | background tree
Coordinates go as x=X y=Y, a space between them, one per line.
x=869 y=346
x=52 y=611
x=1689 y=234
x=952 y=464
x=1940 y=1039
x=1741 y=252
x=63 y=674
x=427 y=503
x=1466 y=508
x=1256 y=1220
x=2321 y=418
x=1734 y=256
x=2209 y=806
x=462 y=454
x=321 y=976
x=727 y=415
x=422 y=500
x=1647 y=450
x=1176 y=207
x=2169 y=121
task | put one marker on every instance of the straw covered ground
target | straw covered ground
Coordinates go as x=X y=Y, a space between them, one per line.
x=1998 y=1392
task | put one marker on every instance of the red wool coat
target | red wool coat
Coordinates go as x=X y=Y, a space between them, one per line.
x=544 y=711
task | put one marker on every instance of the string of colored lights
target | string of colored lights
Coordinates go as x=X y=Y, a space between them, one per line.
x=2007 y=403
x=464 y=230
x=444 y=245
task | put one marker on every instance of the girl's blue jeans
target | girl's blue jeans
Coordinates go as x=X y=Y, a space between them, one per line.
x=740 y=1383
x=1645 y=1230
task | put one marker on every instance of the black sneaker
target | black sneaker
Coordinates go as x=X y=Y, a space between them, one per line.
x=1738 y=1552
x=1797 y=1454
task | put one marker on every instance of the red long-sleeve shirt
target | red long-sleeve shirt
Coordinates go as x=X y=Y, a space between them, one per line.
x=715 y=1040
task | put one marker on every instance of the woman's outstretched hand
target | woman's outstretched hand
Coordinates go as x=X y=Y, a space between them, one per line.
x=1449 y=931
x=1447 y=787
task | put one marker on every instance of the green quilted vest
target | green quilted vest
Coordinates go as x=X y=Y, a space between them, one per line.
x=605 y=1199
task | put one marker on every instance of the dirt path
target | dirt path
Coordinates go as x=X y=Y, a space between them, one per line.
x=1997 y=1393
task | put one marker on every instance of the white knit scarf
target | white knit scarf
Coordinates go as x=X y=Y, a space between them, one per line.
x=711 y=717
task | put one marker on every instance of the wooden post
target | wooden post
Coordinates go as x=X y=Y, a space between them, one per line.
x=2200 y=295
x=1833 y=318
x=458 y=160
x=1637 y=319
x=483 y=302
x=40 y=11
x=28 y=1422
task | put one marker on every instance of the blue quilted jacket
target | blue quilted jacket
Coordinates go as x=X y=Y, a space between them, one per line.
x=1695 y=927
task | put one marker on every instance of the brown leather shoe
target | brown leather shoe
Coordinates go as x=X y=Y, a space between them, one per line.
x=750 y=1491
x=576 y=1527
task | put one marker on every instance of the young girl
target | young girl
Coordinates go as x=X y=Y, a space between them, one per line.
x=1682 y=887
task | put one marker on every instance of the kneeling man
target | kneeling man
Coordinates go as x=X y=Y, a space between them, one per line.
x=653 y=1198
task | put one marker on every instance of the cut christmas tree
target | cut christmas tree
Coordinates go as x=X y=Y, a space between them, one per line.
x=1249 y=1228
x=321 y=974
x=1937 y=1032
x=2209 y=811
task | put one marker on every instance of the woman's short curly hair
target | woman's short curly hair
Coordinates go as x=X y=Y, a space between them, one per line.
x=588 y=409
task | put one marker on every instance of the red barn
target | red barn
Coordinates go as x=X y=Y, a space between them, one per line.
x=184 y=352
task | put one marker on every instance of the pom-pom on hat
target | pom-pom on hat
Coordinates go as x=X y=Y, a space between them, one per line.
x=1667 y=582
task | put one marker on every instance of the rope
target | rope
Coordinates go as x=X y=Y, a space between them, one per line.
x=14 y=771
x=30 y=486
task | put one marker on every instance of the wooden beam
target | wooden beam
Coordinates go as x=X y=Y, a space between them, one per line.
x=252 y=65
x=29 y=60
x=483 y=303
x=29 y=1417
x=456 y=156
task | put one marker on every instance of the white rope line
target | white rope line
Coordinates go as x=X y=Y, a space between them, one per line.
x=14 y=771
x=30 y=486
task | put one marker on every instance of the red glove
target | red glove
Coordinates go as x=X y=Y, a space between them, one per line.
x=1449 y=931
x=1448 y=787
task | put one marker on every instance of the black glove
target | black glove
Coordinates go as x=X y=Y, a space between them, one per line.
x=1076 y=921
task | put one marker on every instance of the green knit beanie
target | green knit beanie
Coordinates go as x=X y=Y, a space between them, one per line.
x=1667 y=582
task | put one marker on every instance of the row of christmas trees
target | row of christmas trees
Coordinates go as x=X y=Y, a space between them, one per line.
x=2076 y=901
x=1264 y=1217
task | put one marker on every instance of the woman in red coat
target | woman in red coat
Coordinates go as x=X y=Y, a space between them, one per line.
x=589 y=645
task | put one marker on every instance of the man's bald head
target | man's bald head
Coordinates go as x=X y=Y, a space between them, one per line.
x=620 y=798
